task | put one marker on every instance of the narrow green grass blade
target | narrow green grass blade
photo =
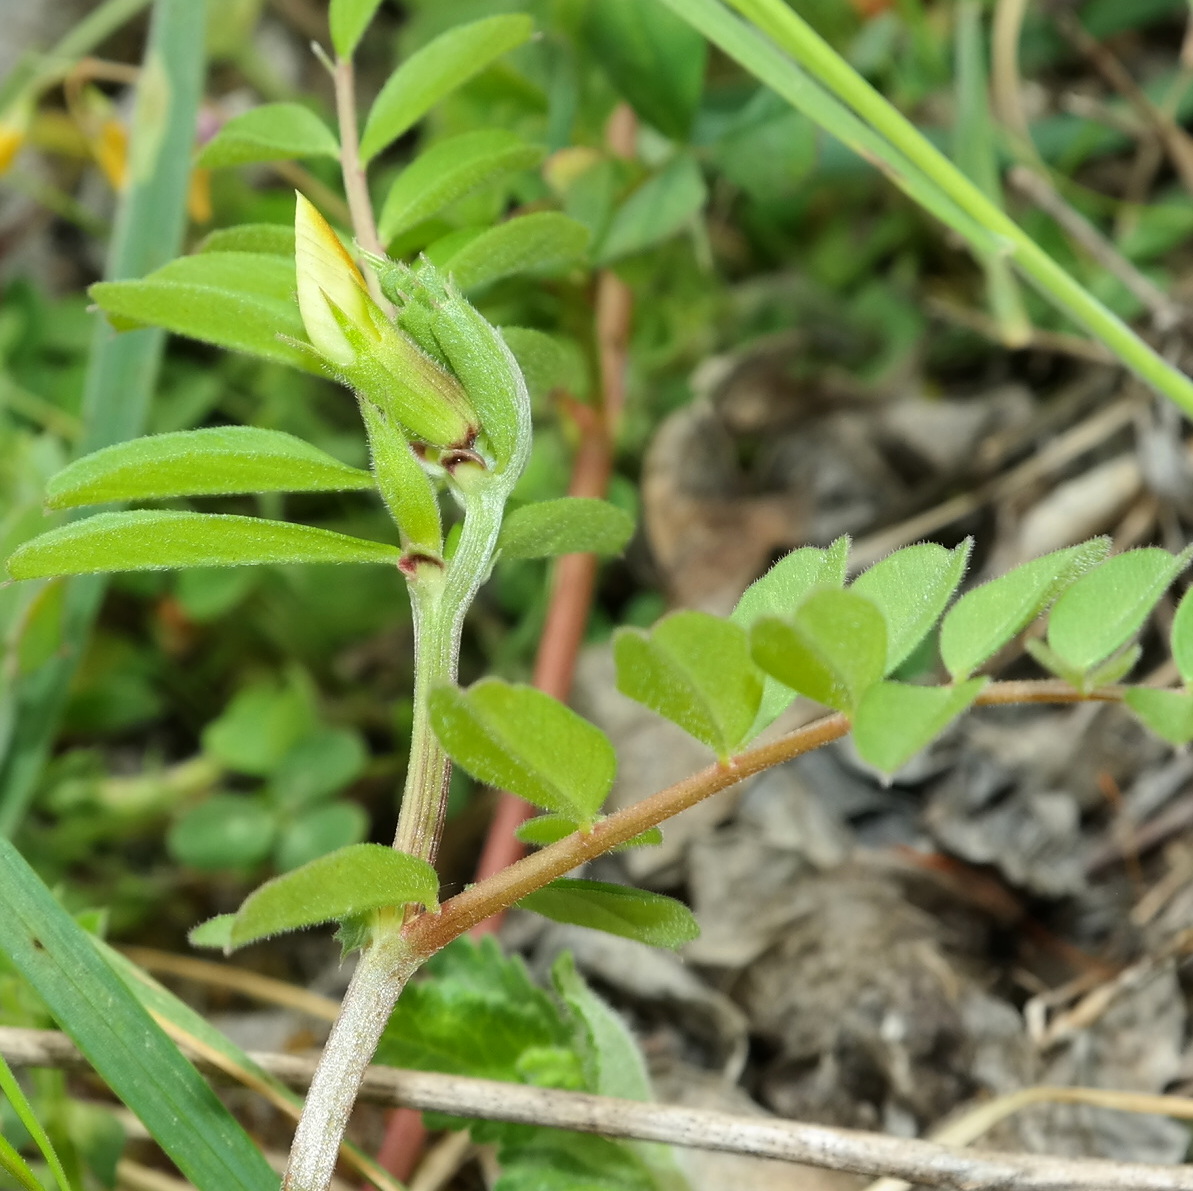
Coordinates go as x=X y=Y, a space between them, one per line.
x=28 y=1118
x=774 y=68
x=122 y=371
x=793 y=36
x=120 y=1040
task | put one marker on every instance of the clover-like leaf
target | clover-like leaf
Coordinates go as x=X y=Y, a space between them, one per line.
x=616 y=909
x=520 y=739
x=912 y=587
x=895 y=720
x=695 y=670
x=567 y=525
x=1104 y=609
x=349 y=881
x=831 y=650
x=220 y=459
x=985 y=619
x=147 y=540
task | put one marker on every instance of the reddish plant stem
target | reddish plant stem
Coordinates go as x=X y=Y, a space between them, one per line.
x=574 y=580
x=428 y=933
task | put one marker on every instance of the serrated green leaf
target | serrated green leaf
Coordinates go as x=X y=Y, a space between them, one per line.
x=519 y=739
x=616 y=909
x=1182 y=638
x=221 y=459
x=985 y=619
x=778 y=593
x=895 y=720
x=568 y=525
x=348 y=20
x=1169 y=714
x=317 y=831
x=434 y=71
x=655 y=60
x=543 y=241
x=1104 y=609
x=119 y=1039
x=695 y=670
x=243 y=301
x=225 y=831
x=270 y=239
x=272 y=132
x=448 y=171
x=832 y=650
x=147 y=540
x=351 y=880
x=911 y=588
x=660 y=208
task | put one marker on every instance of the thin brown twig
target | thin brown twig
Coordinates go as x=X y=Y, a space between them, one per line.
x=815 y=1145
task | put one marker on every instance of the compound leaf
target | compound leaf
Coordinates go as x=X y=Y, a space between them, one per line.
x=519 y=739
x=616 y=909
x=568 y=525
x=434 y=71
x=895 y=720
x=448 y=171
x=272 y=132
x=695 y=670
x=912 y=588
x=832 y=650
x=147 y=540
x=985 y=619
x=220 y=459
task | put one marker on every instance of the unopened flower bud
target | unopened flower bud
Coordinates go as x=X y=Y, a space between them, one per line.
x=354 y=335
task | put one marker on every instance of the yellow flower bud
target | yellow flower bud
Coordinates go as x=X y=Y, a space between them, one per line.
x=354 y=335
x=327 y=274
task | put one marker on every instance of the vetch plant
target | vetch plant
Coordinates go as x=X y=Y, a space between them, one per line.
x=446 y=412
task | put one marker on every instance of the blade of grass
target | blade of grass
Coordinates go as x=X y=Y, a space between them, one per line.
x=121 y=1041
x=28 y=1118
x=767 y=63
x=122 y=370
x=974 y=150
x=794 y=37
